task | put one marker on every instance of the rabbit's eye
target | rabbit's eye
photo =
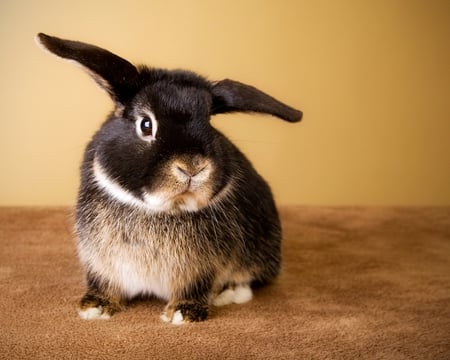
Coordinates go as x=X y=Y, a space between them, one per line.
x=146 y=126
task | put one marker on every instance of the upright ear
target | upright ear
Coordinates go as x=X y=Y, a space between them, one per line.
x=114 y=74
x=231 y=96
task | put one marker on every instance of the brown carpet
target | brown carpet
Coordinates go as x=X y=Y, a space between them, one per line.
x=370 y=283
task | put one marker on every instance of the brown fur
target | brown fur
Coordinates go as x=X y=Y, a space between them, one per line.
x=156 y=247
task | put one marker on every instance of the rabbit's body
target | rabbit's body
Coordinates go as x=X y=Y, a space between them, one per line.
x=168 y=206
x=124 y=243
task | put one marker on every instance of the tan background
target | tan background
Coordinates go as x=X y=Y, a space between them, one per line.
x=372 y=77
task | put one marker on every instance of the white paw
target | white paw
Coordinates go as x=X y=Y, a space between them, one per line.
x=224 y=298
x=177 y=318
x=242 y=294
x=238 y=295
x=93 y=313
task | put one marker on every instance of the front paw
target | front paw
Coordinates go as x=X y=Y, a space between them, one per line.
x=185 y=312
x=94 y=313
x=94 y=307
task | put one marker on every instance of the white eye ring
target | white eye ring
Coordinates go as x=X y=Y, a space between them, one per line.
x=146 y=126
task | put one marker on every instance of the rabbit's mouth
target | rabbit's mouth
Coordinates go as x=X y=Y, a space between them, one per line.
x=187 y=200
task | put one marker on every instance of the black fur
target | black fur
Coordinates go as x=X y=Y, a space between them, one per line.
x=238 y=230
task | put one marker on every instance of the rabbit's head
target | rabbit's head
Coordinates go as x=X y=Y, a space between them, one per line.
x=158 y=150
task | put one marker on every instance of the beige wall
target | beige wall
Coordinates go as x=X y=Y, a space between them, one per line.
x=372 y=77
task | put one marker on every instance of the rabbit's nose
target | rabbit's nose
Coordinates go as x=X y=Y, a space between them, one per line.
x=187 y=171
x=197 y=168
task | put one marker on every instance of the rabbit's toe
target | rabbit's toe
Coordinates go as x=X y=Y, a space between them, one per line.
x=93 y=313
x=237 y=295
x=95 y=306
x=177 y=318
x=185 y=312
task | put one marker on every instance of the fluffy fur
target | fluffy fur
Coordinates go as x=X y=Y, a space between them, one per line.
x=168 y=206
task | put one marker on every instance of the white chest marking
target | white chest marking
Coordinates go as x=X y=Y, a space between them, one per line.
x=135 y=278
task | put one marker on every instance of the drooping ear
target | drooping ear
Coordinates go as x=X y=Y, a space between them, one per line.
x=115 y=75
x=232 y=96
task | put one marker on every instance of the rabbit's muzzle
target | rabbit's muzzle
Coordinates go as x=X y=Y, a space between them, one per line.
x=187 y=185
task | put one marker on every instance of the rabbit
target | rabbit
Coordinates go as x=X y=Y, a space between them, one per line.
x=168 y=207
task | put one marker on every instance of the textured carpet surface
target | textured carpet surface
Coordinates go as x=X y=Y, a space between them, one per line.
x=370 y=283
